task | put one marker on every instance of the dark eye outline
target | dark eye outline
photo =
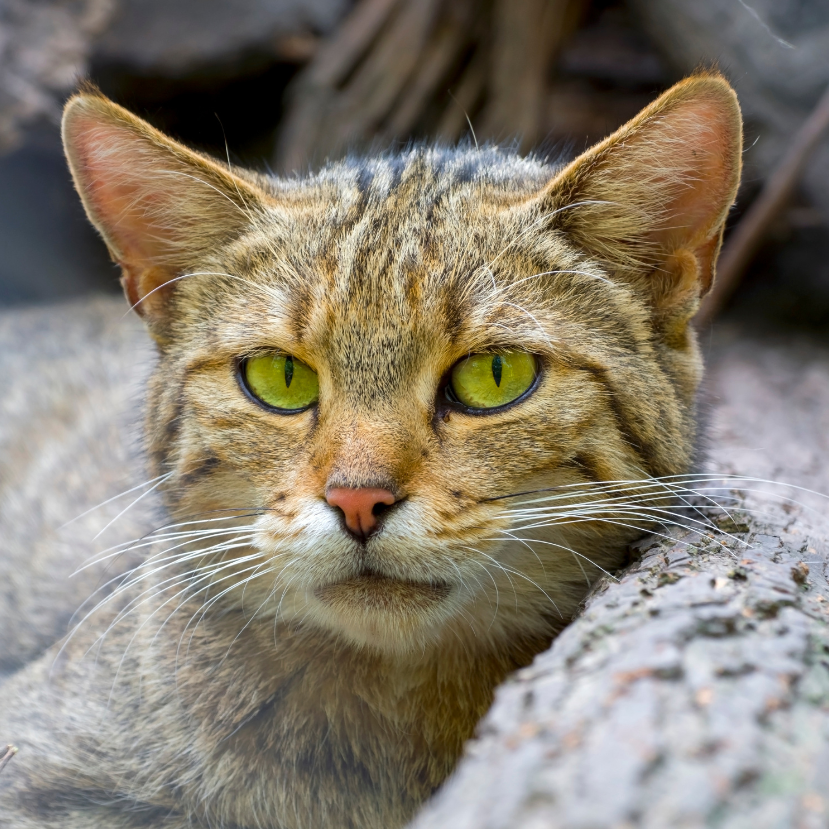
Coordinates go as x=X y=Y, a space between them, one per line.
x=447 y=393
x=239 y=370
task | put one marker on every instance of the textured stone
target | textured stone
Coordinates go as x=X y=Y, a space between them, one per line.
x=44 y=48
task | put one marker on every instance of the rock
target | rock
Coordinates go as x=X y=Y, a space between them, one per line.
x=694 y=690
x=767 y=398
x=773 y=51
x=45 y=47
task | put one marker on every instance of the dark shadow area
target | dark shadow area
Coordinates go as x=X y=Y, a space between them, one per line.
x=219 y=112
x=787 y=287
x=49 y=250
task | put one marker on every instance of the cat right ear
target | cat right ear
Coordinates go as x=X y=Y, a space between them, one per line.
x=651 y=200
x=158 y=205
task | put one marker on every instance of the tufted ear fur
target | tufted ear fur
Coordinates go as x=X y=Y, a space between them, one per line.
x=158 y=205
x=651 y=200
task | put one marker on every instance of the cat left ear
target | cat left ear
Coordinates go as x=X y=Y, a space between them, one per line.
x=158 y=205
x=651 y=200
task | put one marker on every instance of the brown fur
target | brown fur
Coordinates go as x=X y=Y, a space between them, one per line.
x=311 y=680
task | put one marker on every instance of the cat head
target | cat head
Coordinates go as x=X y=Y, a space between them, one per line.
x=361 y=371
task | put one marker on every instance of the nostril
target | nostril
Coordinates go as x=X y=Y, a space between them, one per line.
x=380 y=507
x=360 y=507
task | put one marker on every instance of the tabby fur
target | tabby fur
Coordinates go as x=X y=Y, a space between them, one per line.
x=309 y=679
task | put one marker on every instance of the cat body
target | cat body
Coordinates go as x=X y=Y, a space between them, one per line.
x=280 y=658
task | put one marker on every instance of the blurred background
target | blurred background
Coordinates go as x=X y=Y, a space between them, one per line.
x=282 y=85
x=285 y=84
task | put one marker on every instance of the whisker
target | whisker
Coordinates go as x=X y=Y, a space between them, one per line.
x=284 y=592
x=164 y=623
x=205 y=607
x=620 y=504
x=130 y=506
x=262 y=289
x=185 y=538
x=271 y=557
x=114 y=498
x=569 y=550
x=208 y=570
x=494 y=584
x=588 y=517
x=500 y=567
x=518 y=573
x=667 y=480
x=141 y=573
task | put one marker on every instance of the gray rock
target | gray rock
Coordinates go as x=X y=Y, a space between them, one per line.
x=767 y=397
x=693 y=692
x=45 y=47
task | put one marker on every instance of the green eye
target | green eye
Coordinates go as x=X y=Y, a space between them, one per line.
x=281 y=381
x=486 y=381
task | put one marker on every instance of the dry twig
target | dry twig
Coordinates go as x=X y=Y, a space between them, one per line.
x=527 y=37
x=10 y=752
x=403 y=68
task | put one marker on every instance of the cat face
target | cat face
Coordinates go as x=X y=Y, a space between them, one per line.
x=328 y=400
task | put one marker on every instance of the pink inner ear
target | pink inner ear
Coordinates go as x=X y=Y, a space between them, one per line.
x=119 y=189
x=704 y=138
x=158 y=205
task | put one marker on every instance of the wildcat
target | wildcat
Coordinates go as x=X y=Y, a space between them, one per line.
x=369 y=383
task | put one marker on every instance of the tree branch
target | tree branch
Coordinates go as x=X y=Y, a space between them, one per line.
x=10 y=752
x=694 y=692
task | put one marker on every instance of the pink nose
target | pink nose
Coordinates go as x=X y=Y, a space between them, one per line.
x=360 y=507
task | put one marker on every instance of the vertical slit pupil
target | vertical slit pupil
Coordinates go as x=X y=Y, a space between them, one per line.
x=289 y=371
x=497 y=368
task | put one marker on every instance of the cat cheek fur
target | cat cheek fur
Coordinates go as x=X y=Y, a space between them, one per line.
x=306 y=679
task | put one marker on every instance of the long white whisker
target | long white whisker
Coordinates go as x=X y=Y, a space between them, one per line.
x=130 y=506
x=140 y=574
x=262 y=289
x=207 y=571
x=255 y=573
x=114 y=498
x=187 y=537
x=500 y=567
x=188 y=587
x=569 y=550
x=494 y=584
x=651 y=520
